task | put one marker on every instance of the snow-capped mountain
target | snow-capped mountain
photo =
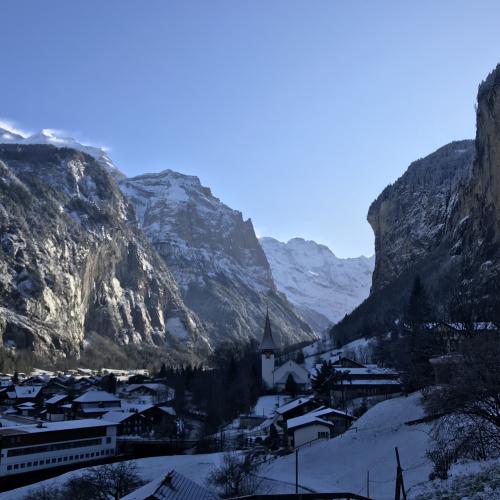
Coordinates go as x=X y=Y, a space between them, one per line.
x=322 y=286
x=75 y=270
x=57 y=139
x=215 y=257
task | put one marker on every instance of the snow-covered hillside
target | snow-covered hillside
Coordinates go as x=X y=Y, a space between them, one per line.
x=342 y=463
x=55 y=138
x=322 y=286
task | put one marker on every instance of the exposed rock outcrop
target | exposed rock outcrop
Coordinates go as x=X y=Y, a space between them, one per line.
x=72 y=261
x=221 y=269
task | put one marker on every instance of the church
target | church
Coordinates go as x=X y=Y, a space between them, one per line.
x=275 y=377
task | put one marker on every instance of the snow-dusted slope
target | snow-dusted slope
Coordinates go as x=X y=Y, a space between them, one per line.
x=342 y=463
x=322 y=286
x=55 y=138
x=215 y=257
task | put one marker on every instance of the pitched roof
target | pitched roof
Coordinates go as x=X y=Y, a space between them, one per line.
x=119 y=416
x=307 y=419
x=178 y=487
x=294 y=404
x=93 y=396
x=267 y=343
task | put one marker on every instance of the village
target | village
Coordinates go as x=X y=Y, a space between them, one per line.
x=56 y=422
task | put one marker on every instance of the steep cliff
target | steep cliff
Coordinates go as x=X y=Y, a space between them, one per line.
x=213 y=253
x=73 y=262
x=440 y=220
x=321 y=286
x=411 y=217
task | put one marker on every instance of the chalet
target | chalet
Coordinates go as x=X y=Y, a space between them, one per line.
x=357 y=380
x=340 y=419
x=148 y=393
x=95 y=403
x=162 y=419
x=295 y=408
x=55 y=407
x=128 y=423
x=307 y=428
x=19 y=394
x=27 y=448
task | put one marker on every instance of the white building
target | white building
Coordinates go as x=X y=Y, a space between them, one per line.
x=27 y=448
x=308 y=428
x=275 y=377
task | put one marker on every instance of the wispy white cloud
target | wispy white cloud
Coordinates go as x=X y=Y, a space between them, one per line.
x=12 y=127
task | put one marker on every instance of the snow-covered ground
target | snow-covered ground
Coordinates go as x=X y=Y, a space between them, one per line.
x=195 y=467
x=266 y=405
x=342 y=463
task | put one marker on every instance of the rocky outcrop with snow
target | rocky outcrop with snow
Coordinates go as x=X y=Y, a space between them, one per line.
x=54 y=138
x=73 y=262
x=322 y=287
x=221 y=269
x=411 y=216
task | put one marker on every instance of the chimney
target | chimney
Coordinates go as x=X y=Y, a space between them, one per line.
x=168 y=479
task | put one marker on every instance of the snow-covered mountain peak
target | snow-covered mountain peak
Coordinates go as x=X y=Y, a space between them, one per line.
x=57 y=138
x=322 y=286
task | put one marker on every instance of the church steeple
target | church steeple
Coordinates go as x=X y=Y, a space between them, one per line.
x=267 y=349
x=267 y=344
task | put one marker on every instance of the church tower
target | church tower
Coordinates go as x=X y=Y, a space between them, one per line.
x=267 y=349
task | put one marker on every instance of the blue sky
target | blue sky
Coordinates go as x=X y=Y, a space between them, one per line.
x=297 y=113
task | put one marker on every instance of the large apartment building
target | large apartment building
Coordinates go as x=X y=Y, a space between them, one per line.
x=27 y=448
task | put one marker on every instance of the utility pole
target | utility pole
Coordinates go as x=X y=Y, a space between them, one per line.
x=297 y=471
x=368 y=484
x=400 y=486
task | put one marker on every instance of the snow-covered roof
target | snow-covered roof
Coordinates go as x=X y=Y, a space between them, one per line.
x=373 y=370
x=94 y=396
x=56 y=426
x=55 y=399
x=168 y=409
x=118 y=416
x=27 y=391
x=157 y=387
x=321 y=412
x=307 y=419
x=294 y=404
x=178 y=487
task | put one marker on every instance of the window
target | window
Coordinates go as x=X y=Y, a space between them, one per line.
x=9 y=467
x=91 y=455
x=71 y=457
x=87 y=455
x=65 y=459
x=323 y=434
x=53 y=447
x=22 y=466
x=108 y=440
x=16 y=466
x=59 y=459
x=29 y=464
x=54 y=460
x=35 y=463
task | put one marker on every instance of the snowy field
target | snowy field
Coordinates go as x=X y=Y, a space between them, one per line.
x=195 y=467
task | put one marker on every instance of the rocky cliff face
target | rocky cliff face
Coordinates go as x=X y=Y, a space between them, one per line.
x=412 y=216
x=321 y=286
x=216 y=259
x=72 y=261
x=440 y=220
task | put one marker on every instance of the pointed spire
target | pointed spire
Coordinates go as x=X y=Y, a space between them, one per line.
x=267 y=343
